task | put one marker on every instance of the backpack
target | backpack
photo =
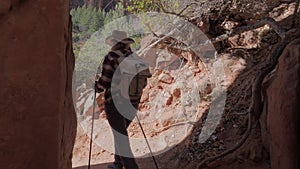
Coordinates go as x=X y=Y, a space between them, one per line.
x=134 y=72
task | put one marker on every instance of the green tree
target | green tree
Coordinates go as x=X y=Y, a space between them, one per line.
x=88 y=26
x=166 y=6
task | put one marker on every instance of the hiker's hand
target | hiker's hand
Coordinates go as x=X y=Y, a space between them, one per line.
x=98 y=90
x=97 y=77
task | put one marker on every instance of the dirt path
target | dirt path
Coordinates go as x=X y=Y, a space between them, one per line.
x=166 y=160
x=98 y=166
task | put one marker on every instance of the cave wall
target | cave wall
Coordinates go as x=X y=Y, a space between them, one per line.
x=37 y=119
x=281 y=117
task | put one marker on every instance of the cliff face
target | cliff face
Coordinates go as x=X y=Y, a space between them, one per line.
x=37 y=120
x=280 y=124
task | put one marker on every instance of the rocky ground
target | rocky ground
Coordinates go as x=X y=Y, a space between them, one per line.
x=173 y=114
x=168 y=112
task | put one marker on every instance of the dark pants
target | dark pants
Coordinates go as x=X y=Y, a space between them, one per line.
x=119 y=125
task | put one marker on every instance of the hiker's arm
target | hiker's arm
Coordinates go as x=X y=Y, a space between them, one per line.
x=108 y=69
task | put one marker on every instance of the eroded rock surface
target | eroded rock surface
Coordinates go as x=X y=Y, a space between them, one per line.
x=37 y=121
x=281 y=114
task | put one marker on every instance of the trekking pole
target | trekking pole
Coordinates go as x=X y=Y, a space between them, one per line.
x=91 y=140
x=147 y=141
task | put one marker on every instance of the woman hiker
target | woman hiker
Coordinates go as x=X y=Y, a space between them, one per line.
x=112 y=103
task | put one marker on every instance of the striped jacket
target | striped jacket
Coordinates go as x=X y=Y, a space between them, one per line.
x=109 y=67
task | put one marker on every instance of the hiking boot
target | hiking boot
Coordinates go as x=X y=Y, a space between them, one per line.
x=115 y=166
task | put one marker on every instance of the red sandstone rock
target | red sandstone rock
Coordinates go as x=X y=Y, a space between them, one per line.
x=38 y=122
x=195 y=69
x=165 y=78
x=169 y=100
x=145 y=96
x=282 y=110
x=166 y=99
x=177 y=93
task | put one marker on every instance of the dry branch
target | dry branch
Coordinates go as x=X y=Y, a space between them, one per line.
x=267 y=21
x=147 y=48
x=181 y=11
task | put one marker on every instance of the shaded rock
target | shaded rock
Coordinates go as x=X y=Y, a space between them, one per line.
x=38 y=121
x=204 y=26
x=246 y=40
x=230 y=24
x=281 y=113
x=4 y=6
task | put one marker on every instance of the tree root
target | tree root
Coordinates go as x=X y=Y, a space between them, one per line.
x=295 y=13
x=175 y=125
x=267 y=21
x=256 y=106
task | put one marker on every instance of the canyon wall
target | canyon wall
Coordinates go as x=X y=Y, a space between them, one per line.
x=37 y=119
x=281 y=116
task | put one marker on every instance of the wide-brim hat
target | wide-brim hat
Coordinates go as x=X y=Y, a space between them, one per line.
x=118 y=36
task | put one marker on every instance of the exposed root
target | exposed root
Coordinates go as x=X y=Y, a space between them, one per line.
x=267 y=21
x=256 y=106
x=295 y=13
x=175 y=125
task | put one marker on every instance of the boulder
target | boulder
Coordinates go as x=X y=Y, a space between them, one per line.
x=165 y=78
